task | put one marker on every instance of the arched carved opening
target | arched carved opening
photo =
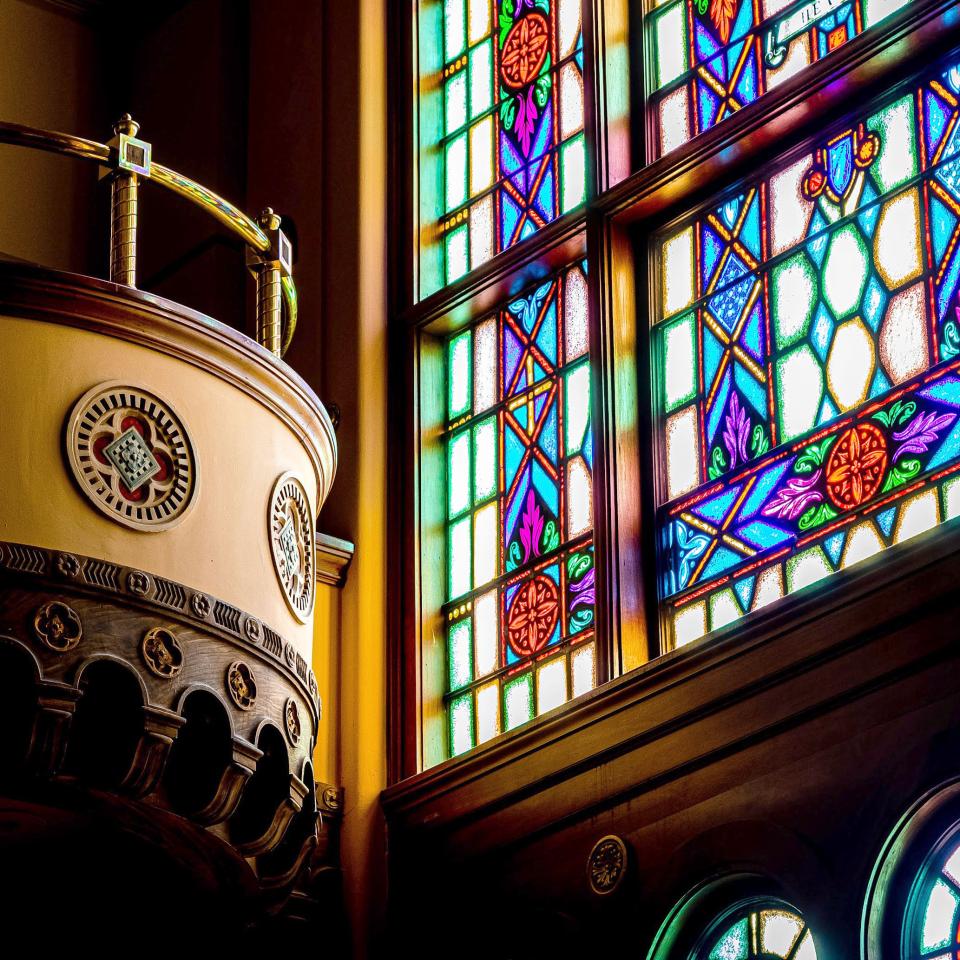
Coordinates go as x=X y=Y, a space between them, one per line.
x=285 y=861
x=18 y=704
x=259 y=820
x=200 y=754
x=107 y=725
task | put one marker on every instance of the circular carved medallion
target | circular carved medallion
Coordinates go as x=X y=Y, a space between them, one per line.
x=57 y=626
x=161 y=652
x=533 y=614
x=241 y=685
x=291 y=721
x=131 y=456
x=607 y=865
x=524 y=51
x=292 y=544
x=856 y=466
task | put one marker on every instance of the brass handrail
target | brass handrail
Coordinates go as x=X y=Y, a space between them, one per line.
x=128 y=159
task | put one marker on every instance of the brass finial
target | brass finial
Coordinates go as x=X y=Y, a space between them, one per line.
x=126 y=125
x=269 y=220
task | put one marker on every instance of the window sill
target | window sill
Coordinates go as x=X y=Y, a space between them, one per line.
x=831 y=644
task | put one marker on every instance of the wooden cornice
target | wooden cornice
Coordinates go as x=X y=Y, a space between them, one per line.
x=333 y=559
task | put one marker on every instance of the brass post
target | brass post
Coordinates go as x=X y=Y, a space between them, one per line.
x=268 y=272
x=123 y=212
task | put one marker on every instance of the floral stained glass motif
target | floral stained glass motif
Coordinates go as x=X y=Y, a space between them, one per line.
x=520 y=611
x=512 y=144
x=936 y=933
x=807 y=364
x=712 y=58
x=774 y=933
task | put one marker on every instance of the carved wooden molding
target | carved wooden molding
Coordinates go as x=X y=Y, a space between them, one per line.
x=333 y=559
x=88 y=575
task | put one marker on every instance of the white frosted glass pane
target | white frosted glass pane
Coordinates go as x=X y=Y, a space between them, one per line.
x=455 y=95
x=481 y=79
x=904 y=350
x=456 y=244
x=577 y=389
x=460 y=557
x=485 y=633
x=579 y=499
x=778 y=932
x=518 y=701
x=678 y=272
x=877 y=10
x=952 y=867
x=806 y=950
x=573 y=165
x=481 y=232
x=552 y=685
x=951 y=498
x=488 y=712
x=456 y=171
x=790 y=213
x=896 y=243
x=769 y=587
x=938 y=918
x=683 y=453
x=796 y=60
x=459 y=479
x=918 y=514
x=680 y=362
x=850 y=364
x=575 y=319
x=481 y=156
x=485 y=459
x=801 y=386
x=671 y=45
x=479 y=19
x=460 y=654
x=454 y=28
x=863 y=541
x=897 y=160
x=461 y=724
x=675 y=119
x=689 y=623
x=806 y=568
x=569 y=26
x=484 y=365
x=485 y=544
x=459 y=375
x=583 y=663
x=571 y=100
x=724 y=609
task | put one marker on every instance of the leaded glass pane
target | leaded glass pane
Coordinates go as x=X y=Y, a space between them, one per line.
x=509 y=130
x=807 y=373
x=759 y=933
x=519 y=444
x=712 y=58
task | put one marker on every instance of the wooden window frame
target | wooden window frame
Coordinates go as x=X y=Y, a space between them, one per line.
x=627 y=203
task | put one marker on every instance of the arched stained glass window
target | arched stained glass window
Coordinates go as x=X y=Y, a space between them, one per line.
x=934 y=933
x=770 y=931
x=502 y=148
x=519 y=453
x=807 y=372
x=712 y=58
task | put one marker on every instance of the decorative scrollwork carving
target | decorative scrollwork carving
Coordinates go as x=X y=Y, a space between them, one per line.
x=607 y=865
x=161 y=652
x=241 y=685
x=291 y=721
x=57 y=626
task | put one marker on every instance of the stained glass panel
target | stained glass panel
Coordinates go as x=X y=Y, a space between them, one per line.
x=712 y=58
x=935 y=923
x=759 y=932
x=510 y=129
x=808 y=364
x=519 y=460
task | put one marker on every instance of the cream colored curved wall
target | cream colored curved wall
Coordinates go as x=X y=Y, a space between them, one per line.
x=221 y=546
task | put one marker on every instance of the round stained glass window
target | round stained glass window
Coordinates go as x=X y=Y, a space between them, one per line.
x=935 y=929
x=765 y=931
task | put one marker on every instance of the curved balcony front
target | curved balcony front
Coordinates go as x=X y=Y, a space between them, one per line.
x=162 y=473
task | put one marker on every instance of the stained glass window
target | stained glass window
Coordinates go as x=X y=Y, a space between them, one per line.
x=519 y=451
x=808 y=364
x=503 y=149
x=936 y=923
x=759 y=931
x=711 y=58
